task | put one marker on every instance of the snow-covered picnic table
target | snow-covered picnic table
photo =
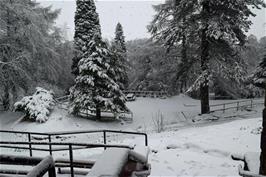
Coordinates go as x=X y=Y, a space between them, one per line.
x=251 y=164
x=116 y=161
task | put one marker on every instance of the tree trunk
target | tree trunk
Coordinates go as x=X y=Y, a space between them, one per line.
x=185 y=62
x=6 y=99
x=204 y=86
x=98 y=113
x=263 y=140
x=5 y=51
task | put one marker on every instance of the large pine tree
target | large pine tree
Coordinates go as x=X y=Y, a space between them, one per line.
x=259 y=79
x=86 y=25
x=221 y=27
x=95 y=88
x=171 y=26
x=26 y=53
x=119 y=39
x=119 y=61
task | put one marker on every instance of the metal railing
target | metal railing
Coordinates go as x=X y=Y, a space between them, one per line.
x=52 y=134
x=42 y=165
x=66 y=146
x=237 y=105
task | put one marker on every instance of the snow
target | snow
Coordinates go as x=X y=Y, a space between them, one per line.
x=110 y=163
x=37 y=106
x=253 y=161
x=203 y=151
x=140 y=154
x=201 y=147
x=177 y=111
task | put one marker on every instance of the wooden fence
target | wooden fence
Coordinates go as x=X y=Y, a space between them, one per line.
x=138 y=93
x=237 y=105
x=90 y=113
x=147 y=93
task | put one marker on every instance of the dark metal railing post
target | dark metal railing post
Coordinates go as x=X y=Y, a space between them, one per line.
x=104 y=138
x=29 y=140
x=146 y=139
x=50 y=146
x=251 y=103
x=237 y=107
x=71 y=160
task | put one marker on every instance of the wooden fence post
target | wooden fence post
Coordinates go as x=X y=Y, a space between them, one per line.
x=29 y=140
x=104 y=138
x=50 y=146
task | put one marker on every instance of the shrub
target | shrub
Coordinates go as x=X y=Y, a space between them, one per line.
x=158 y=122
x=38 y=106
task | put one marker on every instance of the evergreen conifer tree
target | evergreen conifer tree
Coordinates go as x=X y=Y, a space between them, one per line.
x=86 y=25
x=25 y=36
x=119 y=57
x=120 y=38
x=221 y=27
x=172 y=27
x=259 y=79
x=95 y=86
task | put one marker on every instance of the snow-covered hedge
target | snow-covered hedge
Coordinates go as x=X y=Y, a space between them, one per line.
x=37 y=106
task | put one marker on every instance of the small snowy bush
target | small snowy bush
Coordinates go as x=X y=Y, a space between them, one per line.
x=37 y=106
x=158 y=122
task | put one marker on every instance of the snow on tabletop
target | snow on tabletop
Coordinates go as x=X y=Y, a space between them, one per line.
x=140 y=154
x=110 y=163
x=37 y=106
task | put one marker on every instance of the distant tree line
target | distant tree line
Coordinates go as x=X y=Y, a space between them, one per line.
x=217 y=32
x=153 y=67
x=32 y=51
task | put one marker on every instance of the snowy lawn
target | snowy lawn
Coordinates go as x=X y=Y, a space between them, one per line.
x=176 y=111
x=195 y=151
x=203 y=151
x=196 y=148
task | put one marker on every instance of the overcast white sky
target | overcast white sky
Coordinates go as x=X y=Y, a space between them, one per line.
x=133 y=15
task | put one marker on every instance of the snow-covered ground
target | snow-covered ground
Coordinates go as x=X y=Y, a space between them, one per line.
x=203 y=151
x=194 y=146
x=176 y=111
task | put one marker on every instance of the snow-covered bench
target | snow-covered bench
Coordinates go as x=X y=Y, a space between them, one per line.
x=116 y=162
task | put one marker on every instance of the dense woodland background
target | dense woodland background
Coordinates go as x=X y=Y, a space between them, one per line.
x=34 y=52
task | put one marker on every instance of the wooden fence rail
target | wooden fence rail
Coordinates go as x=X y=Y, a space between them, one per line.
x=237 y=105
x=147 y=93
x=138 y=93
